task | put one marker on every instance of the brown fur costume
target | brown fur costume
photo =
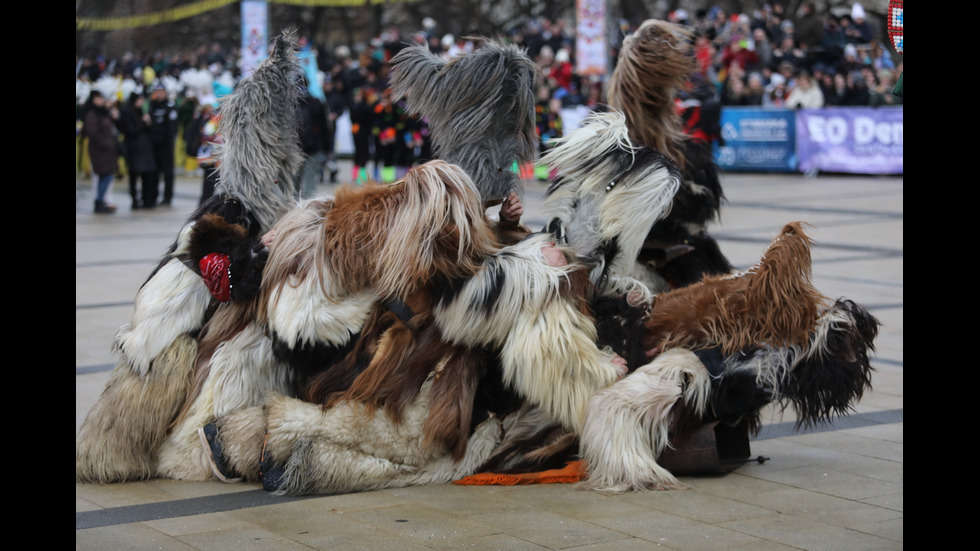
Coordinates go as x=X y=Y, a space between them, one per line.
x=773 y=303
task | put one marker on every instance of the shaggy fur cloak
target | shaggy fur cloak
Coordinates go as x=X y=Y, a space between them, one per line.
x=122 y=436
x=653 y=68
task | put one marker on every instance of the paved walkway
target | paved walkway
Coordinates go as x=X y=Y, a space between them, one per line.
x=837 y=487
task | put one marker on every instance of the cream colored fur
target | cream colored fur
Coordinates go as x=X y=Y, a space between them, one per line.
x=242 y=372
x=626 y=425
x=346 y=449
x=122 y=433
x=300 y=313
x=172 y=302
x=606 y=193
x=548 y=346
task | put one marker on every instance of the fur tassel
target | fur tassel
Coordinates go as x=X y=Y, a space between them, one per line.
x=773 y=303
x=834 y=369
x=627 y=425
x=479 y=106
x=125 y=429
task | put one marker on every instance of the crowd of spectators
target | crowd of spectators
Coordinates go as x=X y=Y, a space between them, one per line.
x=764 y=58
x=807 y=59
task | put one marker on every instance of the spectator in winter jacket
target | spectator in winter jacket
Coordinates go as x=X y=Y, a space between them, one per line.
x=163 y=130
x=103 y=147
x=138 y=145
x=806 y=94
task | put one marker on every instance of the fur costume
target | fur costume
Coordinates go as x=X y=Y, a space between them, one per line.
x=479 y=106
x=299 y=448
x=653 y=68
x=771 y=303
x=212 y=265
x=330 y=263
x=538 y=316
x=607 y=194
x=430 y=382
x=630 y=423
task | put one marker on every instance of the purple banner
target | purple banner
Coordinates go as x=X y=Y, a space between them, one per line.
x=851 y=140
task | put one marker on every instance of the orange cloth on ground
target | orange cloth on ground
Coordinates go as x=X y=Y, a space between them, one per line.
x=573 y=471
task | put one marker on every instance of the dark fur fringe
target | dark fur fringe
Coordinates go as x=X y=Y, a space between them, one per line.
x=214 y=233
x=697 y=203
x=532 y=442
x=480 y=109
x=820 y=380
x=773 y=303
x=835 y=370
x=703 y=257
x=620 y=327
x=333 y=379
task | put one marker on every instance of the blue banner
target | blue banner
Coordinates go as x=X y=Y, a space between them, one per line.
x=853 y=140
x=757 y=140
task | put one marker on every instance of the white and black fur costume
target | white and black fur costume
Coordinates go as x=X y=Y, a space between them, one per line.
x=123 y=435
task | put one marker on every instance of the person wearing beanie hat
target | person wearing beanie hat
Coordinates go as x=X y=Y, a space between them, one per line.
x=859 y=31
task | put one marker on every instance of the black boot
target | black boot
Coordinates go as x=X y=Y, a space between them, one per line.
x=216 y=458
x=101 y=207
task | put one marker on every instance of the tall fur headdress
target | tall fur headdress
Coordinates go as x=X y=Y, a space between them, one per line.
x=653 y=67
x=480 y=109
x=260 y=152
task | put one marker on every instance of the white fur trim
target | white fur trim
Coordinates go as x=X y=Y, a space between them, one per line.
x=170 y=303
x=301 y=313
x=626 y=425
